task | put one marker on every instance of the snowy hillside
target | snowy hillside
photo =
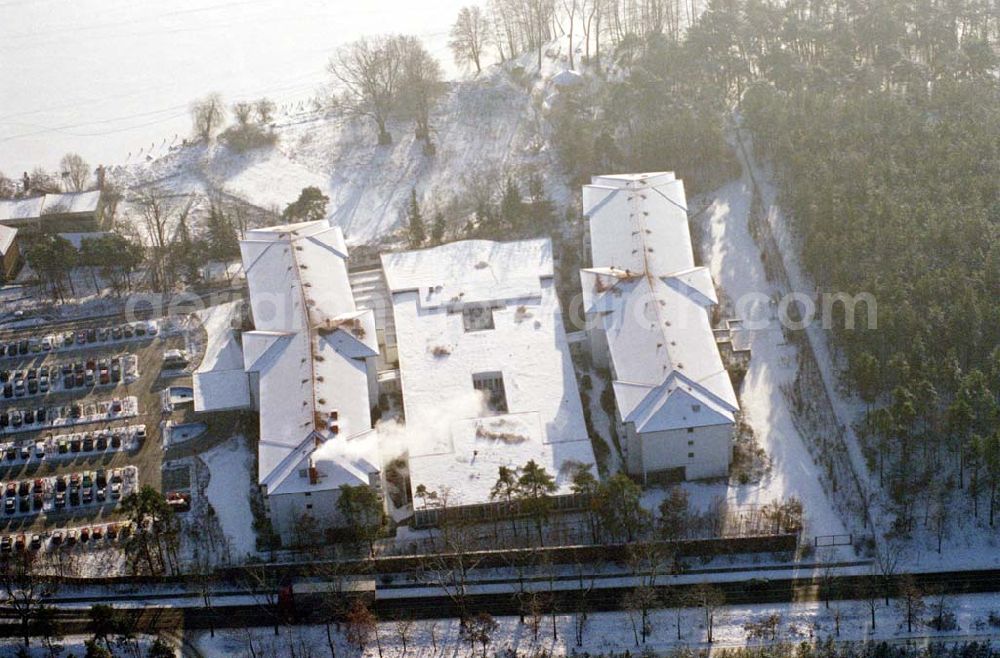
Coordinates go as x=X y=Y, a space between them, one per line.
x=484 y=129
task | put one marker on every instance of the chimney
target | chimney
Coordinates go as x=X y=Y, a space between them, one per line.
x=313 y=475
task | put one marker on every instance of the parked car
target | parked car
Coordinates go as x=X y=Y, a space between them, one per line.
x=40 y=450
x=56 y=538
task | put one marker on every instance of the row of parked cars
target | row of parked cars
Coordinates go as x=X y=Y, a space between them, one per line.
x=16 y=419
x=19 y=383
x=127 y=331
x=93 y=372
x=70 y=537
x=65 y=444
x=76 y=489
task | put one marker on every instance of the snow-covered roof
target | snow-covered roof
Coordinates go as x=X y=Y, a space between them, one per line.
x=653 y=304
x=7 y=236
x=71 y=203
x=308 y=348
x=455 y=444
x=21 y=209
x=220 y=382
x=638 y=222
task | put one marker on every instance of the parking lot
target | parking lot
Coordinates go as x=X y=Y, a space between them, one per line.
x=102 y=384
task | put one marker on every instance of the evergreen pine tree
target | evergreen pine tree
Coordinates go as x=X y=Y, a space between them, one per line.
x=512 y=205
x=437 y=228
x=415 y=221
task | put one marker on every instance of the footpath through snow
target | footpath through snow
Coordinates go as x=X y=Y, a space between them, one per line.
x=736 y=266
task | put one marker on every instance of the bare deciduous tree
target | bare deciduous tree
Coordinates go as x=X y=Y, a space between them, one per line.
x=265 y=110
x=709 y=599
x=207 y=116
x=243 y=111
x=22 y=588
x=421 y=85
x=469 y=36
x=370 y=71
x=911 y=601
x=75 y=171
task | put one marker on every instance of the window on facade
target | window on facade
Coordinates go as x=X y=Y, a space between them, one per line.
x=477 y=317
x=491 y=383
x=690 y=455
x=303 y=472
x=696 y=408
x=690 y=430
x=690 y=443
x=309 y=506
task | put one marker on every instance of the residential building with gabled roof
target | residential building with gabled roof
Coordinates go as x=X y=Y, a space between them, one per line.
x=70 y=212
x=648 y=309
x=311 y=366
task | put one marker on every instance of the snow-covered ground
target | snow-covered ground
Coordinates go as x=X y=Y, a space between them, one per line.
x=145 y=63
x=484 y=130
x=230 y=466
x=608 y=632
x=736 y=266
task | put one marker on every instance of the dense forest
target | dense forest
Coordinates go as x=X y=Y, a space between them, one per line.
x=880 y=124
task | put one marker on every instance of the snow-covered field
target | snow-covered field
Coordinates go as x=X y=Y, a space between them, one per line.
x=113 y=79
